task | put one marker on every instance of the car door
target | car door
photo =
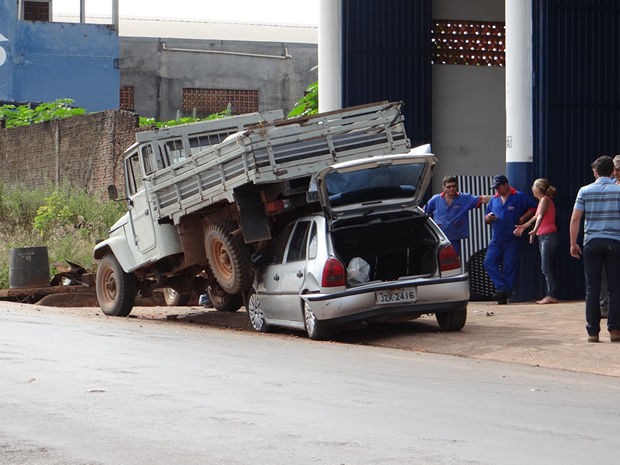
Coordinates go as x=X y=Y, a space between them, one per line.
x=268 y=285
x=283 y=280
x=292 y=273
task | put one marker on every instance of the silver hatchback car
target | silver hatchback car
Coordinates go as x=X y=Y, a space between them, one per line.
x=371 y=255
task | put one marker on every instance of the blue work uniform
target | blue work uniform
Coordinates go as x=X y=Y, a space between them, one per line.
x=502 y=258
x=453 y=219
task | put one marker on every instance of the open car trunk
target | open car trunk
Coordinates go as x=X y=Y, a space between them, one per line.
x=394 y=245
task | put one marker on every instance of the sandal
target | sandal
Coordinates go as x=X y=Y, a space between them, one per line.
x=547 y=300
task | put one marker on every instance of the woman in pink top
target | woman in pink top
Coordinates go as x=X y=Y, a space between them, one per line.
x=547 y=232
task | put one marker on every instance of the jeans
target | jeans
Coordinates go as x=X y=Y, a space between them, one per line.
x=599 y=254
x=548 y=246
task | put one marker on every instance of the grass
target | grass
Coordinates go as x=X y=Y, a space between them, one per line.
x=64 y=220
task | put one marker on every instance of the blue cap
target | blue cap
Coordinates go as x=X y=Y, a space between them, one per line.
x=499 y=180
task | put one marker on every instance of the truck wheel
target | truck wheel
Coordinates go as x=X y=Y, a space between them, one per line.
x=174 y=298
x=229 y=258
x=116 y=290
x=224 y=302
x=453 y=320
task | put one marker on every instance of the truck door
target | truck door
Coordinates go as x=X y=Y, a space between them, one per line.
x=140 y=216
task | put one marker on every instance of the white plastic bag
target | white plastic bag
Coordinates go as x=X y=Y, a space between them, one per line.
x=358 y=271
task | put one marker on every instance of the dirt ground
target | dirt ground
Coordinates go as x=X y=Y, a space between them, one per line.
x=551 y=336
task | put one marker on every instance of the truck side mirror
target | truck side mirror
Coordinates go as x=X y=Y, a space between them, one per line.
x=112 y=192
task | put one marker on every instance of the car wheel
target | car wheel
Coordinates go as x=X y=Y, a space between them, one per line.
x=222 y=301
x=228 y=258
x=174 y=298
x=314 y=328
x=116 y=290
x=255 y=312
x=453 y=320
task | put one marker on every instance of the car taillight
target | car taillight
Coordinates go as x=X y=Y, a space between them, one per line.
x=333 y=274
x=448 y=259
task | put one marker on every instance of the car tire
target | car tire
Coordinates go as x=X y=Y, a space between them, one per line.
x=316 y=331
x=222 y=301
x=174 y=298
x=116 y=290
x=255 y=312
x=228 y=258
x=453 y=320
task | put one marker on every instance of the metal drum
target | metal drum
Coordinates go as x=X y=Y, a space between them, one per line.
x=29 y=267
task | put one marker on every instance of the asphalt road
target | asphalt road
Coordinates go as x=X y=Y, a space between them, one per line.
x=81 y=389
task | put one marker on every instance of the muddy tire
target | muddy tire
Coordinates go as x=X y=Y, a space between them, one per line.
x=174 y=298
x=453 y=320
x=116 y=290
x=228 y=257
x=222 y=301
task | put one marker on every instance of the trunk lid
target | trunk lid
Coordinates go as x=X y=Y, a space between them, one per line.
x=379 y=184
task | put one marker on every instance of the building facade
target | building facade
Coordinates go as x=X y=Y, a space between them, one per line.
x=41 y=60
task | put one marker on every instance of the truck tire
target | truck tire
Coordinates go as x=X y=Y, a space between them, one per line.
x=228 y=258
x=174 y=298
x=223 y=302
x=116 y=290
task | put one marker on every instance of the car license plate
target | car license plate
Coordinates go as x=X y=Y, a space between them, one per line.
x=396 y=296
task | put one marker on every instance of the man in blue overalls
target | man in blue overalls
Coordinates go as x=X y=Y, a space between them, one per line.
x=507 y=208
x=449 y=210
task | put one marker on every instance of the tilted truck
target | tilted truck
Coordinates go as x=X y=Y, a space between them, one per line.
x=203 y=197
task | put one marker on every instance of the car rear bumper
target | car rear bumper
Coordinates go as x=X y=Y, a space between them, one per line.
x=359 y=303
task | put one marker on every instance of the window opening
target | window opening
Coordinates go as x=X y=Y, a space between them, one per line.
x=299 y=239
x=205 y=102
x=134 y=174
x=464 y=42
x=174 y=151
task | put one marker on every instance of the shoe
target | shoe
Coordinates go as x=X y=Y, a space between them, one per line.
x=614 y=335
x=502 y=297
x=593 y=338
x=204 y=301
x=547 y=300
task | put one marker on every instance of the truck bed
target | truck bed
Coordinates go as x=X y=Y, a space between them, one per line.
x=273 y=152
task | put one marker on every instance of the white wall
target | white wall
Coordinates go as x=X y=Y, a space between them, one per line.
x=469 y=116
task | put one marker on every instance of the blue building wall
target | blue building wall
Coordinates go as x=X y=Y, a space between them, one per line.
x=576 y=105
x=45 y=61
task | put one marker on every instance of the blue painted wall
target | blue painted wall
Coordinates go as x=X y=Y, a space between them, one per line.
x=386 y=56
x=576 y=105
x=45 y=61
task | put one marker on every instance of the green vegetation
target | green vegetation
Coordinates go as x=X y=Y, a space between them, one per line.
x=309 y=103
x=65 y=220
x=24 y=115
x=187 y=119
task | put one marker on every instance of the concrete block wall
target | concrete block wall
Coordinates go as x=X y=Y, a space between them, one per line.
x=83 y=151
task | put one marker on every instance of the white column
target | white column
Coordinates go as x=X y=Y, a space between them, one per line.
x=330 y=52
x=519 y=138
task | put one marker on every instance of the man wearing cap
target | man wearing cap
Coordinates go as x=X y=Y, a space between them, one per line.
x=449 y=210
x=507 y=208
